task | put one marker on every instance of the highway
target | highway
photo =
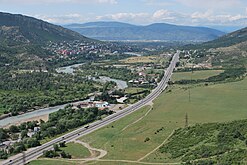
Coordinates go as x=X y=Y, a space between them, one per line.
x=34 y=153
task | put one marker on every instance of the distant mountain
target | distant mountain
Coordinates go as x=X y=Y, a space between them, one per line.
x=22 y=39
x=226 y=29
x=230 y=39
x=157 y=31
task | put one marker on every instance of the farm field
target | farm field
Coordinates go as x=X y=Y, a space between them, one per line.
x=141 y=59
x=195 y=75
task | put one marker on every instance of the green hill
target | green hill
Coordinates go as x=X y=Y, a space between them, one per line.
x=229 y=39
x=24 y=29
x=23 y=39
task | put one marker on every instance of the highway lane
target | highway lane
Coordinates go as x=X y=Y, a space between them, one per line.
x=38 y=151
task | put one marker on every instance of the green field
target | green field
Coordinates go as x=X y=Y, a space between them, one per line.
x=76 y=150
x=131 y=90
x=214 y=103
x=195 y=75
x=52 y=162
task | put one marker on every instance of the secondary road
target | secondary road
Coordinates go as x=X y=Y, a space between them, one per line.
x=34 y=153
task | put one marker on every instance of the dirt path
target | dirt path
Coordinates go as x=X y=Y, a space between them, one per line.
x=156 y=147
x=137 y=162
x=95 y=153
x=138 y=119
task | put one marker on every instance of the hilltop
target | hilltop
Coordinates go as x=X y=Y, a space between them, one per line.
x=230 y=39
x=23 y=40
x=24 y=29
x=157 y=31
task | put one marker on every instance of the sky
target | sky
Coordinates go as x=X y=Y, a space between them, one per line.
x=139 y=12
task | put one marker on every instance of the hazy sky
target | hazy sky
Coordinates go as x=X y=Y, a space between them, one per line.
x=184 y=12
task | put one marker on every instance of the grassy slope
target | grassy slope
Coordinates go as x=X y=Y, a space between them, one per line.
x=215 y=103
x=119 y=143
x=76 y=150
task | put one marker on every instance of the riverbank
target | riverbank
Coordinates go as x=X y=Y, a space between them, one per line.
x=37 y=118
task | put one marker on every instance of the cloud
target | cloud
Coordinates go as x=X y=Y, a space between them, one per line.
x=208 y=17
x=157 y=3
x=211 y=4
x=63 y=19
x=163 y=15
x=25 y=2
x=127 y=17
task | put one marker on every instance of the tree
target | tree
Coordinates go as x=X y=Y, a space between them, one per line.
x=19 y=147
x=62 y=144
x=13 y=129
x=49 y=154
x=23 y=126
x=56 y=147
x=3 y=134
x=32 y=142
x=23 y=134
x=65 y=155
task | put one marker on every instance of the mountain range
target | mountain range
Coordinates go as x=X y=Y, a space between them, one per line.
x=157 y=31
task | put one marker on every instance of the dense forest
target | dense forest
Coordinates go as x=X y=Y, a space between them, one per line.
x=20 y=92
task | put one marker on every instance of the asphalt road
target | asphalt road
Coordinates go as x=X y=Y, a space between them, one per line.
x=34 y=153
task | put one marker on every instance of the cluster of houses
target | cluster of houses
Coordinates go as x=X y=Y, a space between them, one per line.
x=6 y=145
x=144 y=77
x=101 y=105
x=66 y=49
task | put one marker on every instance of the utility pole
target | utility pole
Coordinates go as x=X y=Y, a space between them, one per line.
x=186 y=120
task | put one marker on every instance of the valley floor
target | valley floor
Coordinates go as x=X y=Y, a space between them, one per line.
x=135 y=138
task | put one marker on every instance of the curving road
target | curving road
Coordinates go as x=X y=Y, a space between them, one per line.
x=34 y=153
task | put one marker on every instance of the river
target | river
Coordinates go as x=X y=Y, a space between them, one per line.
x=45 y=111
x=103 y=79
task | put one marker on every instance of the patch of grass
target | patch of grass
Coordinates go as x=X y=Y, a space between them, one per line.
x=76 y=150
x=52 y=162
x=204 y=74
x=131 y=90
x=113 y=163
